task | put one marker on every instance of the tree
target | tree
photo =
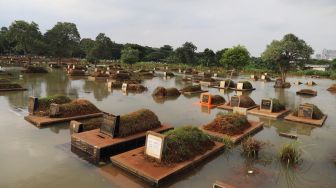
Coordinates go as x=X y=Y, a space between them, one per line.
x=235 y=57
x=186 y=54
x=4 y=42
x=63 y=39
x=287 y=53
x=86 y=45
x=219 y=55
x=130 y=55
x=26 y=37
x=102 y=48
x=207 y=58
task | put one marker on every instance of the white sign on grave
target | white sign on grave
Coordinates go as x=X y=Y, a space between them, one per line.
x=73 y=66
x=109 y=84
x=310 y=83
x=164 y=74
x=240 y=85
x=263 y=77
x=252 y=76
x=222 y=84
x=96 y=69
x=240 y=111
x=215 y=75
x=124 y=87
x=118 y=72
x=154 y=145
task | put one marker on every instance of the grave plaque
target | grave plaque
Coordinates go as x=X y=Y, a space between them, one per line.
x=96 y=69
x=68 y=66
x=310 y=83
x=234 y=102
x=306 y=111
x=164 y=74
x=240 y=85
x=252 y=76
x=215 y=74
x=109 y=84
x=108 y=68
x=76 y=127
x=180 y=71
x=222 y=84
x=278 y=83
x=206 y=98
x=240 y=111
x=73 y=66
x=124 y=87
x=154 y=144
x=32 y=105
x=107 y=72
x=110 y=125
x=263 y=77
x=54 y=110
x=266 y=105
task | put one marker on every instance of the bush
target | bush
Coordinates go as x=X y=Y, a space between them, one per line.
x=290 y=153
x=251 y=147
x=138 y=121
x=229 y=124
x=185 y=143
x=277 y=106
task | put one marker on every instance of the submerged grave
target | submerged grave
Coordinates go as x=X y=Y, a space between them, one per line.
x=57 y=109
x=7 y=85
x=192 y=89
x=209 y=100
x=234 y=127
x=309 y=114
x=161 y=94
x=242 y=101
x=243 y=86
x=116 y=134
x=332 y=88
x=272 y=108
x=167 y=155
x=308 y=92
x=34 y=69
x=279 y=83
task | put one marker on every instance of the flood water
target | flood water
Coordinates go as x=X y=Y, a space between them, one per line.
x=32 y=157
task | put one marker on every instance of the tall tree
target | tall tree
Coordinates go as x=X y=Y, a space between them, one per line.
x=26 y=37
x=287 y=53
x=207 y=58
x=102 y=48
x=63 y=39
x=4 y=42
x=235 y=57
x=86 y=45
x=129 y=55
x=186 y=54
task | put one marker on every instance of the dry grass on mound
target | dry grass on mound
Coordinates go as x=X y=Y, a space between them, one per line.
x=138 y=88
x=77 y=72
x=246 y=101
x=138 y=121
x=163 y=92
x=77 y=108
x=44 y=103
x=33 y=69
x=230 y=124
x=9 y=86
x=191 y=88
x=217 y=99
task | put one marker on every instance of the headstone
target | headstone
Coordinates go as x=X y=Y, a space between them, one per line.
x=265 y=74
x=76 y=127
x=73 y=66
x=180 y=71
x=205 y=98
x=222 y=84
x=263 y=77
x=252 y=76
x=306 y=111
x=96 y=69
x=107 y=72
x=109 y=84
x=108 y=68
x=215 y=74
x=167 y=68
x=54 y=110
x=235 y=101
x=68 y=66
x=51 y=65
x=240 y=111
x=32 y=105
x=278 y=83
x=118 y=72
x=266 y=105
x=240 y=86
x=155 y=144
x=164 y=74
x=124 y=87
x=110 y=125
x=310 y=83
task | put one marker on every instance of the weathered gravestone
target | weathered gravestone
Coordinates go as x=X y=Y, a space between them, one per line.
x=124 y=87
x=54 y=110
x=235 y=101
x=222 y=84
x=206 y=98
x=266 y=105
x=306 y=111
x=155 y=144
x=110 y=125
x=278 y=83
x=76 y=127
x=32 y=105
x=240 y=86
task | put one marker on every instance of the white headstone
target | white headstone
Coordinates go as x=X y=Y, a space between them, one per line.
x=124 y=87
x=240 y=85
x=154 y=145
x=240 y=111
x=215 y=75
x=263 y=77
x=222 y=84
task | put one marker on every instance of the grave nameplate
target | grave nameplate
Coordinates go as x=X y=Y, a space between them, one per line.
x=306 y=111
x=234 y=102
x=240 y=111
x=206 y=98
x=266 y=105
x=222 y=84
x=310 y=83
x=124 y=87
x=164 y=74
x=278 y=83
x=73 y=66
x=154 y=146
x=109 y=84
x=215 y=74
x=110 y=125
x=263 y=77
x=240 y=86
x=32 y=105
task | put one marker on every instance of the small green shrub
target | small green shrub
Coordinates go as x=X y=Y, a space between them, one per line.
x=290 y=153
x=277 y=106
x=251 y=147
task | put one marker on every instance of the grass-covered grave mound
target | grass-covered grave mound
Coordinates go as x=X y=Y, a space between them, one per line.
x=277 y=106
x=230 y=83
x=99 y=74
x=10 y=86
x=245 y=101
x=121 y=76
x=228 y=124
x=185 y=143
x=307 y=91
x=246 y=84
x=191 y=88
x=35 y=69
x=138 y=88
x=45 y=102
x=77 y=72
x=332 y=88
x=138 y=121
x=217 y=99
x=317 y=113
x=165 y=92
x=77 y=108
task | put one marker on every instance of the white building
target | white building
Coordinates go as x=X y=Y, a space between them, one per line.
x=327 y=55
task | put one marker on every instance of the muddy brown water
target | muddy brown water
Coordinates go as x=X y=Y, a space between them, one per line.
x=32 y=157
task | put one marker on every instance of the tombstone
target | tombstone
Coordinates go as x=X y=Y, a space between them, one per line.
x=118 y=72
x=215 y=75
x=108 y=68
x=110 y=125
x=263 y=77
x=252 y=76
x=306 y=111
x=180 y=71
x=76 y=127
x=167 y=67
x=154 y=145
x=96 y=69
x=278 y=83
x=240 y=86
x=54 y=110
x=124 y=87
x=266 y=105
x=235 y=101
x=164 y=74
x=109 y=84
x=73 y=66
x=240 y=111
x=68 y=66
x=205 y=98
x=51 y=65
x=107 y=72
x=265 y=74
x=310 y=83
x=32 y=105
x=222 y=84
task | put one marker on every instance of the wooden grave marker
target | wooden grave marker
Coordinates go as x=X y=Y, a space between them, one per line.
x=240 y=86
x=235 y=101
x=110 y=125
x=124 y=87
x=222 y=84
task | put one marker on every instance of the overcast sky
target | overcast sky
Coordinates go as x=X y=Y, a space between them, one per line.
x=214 y=24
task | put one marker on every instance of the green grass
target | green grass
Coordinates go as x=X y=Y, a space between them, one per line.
x=44 y=103
x=251 y=147
x=290 y=153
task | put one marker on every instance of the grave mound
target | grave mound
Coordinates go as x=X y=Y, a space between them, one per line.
x=229 y=124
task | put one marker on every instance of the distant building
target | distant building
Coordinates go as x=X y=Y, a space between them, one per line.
x=327 y=55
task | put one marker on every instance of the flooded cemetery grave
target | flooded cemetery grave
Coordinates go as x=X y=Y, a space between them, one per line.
x=32 y=157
